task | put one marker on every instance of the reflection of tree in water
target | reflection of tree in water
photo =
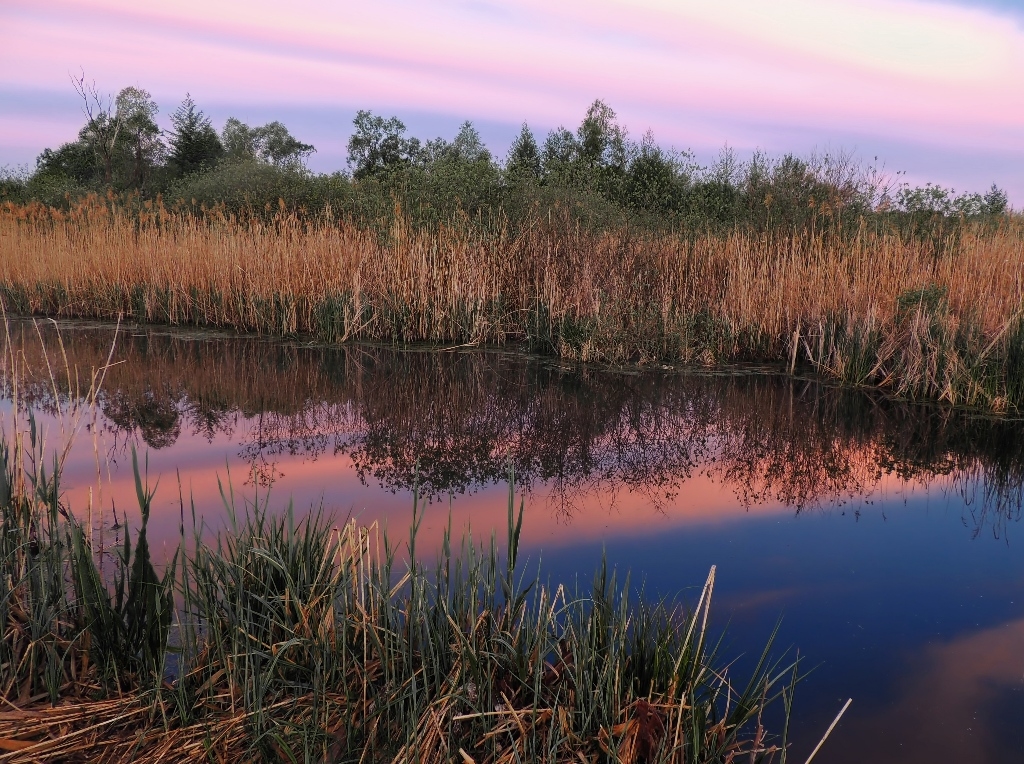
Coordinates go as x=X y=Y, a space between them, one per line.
x=156 y=417
x=464 y=421
x=458 y=421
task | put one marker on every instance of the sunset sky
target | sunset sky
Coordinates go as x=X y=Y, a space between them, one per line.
x=931 y=88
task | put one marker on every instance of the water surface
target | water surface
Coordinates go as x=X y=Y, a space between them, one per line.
x=886 y=536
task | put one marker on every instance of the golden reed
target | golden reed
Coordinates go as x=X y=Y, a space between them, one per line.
x=925 y=319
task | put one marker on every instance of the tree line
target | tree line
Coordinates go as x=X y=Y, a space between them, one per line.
x=597 y=173
x=121 y=147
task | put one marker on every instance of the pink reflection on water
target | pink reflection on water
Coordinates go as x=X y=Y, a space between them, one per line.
x=212 y=470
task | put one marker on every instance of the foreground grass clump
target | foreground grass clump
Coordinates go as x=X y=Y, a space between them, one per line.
x=922 y=317
x=286 y=640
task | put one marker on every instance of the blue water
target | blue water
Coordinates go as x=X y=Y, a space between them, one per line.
x=864 y=599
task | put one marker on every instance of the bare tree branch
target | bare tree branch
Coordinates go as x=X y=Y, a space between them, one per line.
x=103 y=122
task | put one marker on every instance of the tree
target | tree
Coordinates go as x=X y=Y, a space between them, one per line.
x=378 y=145
x=604 y=152
x=927 y=199
x=468 y=146
x=602 y=142
x=238 y=139
x=136 y=111
x=995 y=201
x=76 y=161
x=195 y=145
x=596 y=155
x=524 y=156
x=271 y=143
x=276 y=145
x=559 y=153
x=654 y=180
x=120 y=135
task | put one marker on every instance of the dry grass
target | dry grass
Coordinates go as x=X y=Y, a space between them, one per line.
x=923 y=319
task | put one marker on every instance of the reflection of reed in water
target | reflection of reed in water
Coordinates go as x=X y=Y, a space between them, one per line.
x=456 y=421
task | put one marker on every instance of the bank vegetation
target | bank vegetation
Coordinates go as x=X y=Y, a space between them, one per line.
x=923 y=318
x=587 y=245
x=286 y=639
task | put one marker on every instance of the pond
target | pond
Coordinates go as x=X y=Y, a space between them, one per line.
x=885 y=536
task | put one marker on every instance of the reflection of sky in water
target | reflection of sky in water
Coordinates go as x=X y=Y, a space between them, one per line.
x=921 y=626
x=907 y=597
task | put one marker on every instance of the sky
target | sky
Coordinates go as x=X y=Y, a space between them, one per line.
x=932 y=88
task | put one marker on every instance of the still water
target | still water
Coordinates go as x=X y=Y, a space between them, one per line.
x=886 y=537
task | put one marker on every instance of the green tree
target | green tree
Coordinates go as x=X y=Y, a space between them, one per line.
x=136 y=111
x=63 y=173
x=13 y=181
x=995 y=201
x=195 y=145
x=604 y=151
x=460 y=175
x=602 y=142
x=468 y=146
x=270 y=143
x=929 y=198
x=655 y=180
x=274 y=144
x=118 y=146
x=75 y=161
x=524 y=156
x=378 y=145
x=238 y=140
x=595 y=156
x=559 y=154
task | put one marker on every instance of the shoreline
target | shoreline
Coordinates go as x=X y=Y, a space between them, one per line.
x=519 y=350
x=919 y=321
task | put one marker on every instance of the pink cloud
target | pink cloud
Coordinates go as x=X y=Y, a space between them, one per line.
x=34 y=134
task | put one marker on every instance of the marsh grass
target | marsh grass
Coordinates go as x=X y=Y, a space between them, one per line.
x=840 y=305
x=283 y=638
x=302 y=640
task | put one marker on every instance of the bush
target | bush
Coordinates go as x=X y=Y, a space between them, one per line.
x=253 y=186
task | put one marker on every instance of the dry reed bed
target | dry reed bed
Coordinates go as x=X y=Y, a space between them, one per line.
x=923 y=319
